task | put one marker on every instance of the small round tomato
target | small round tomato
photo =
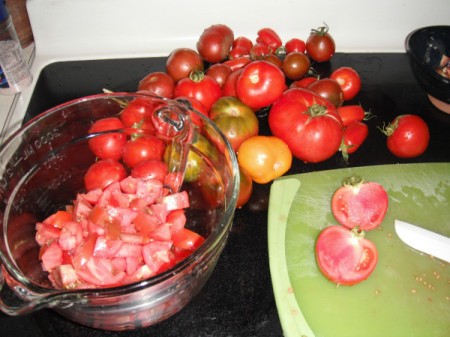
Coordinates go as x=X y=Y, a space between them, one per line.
x=349 y=80
x=359 y=204
x=182 y=61
x=199 y=86
x=264 y=158
x=345 y=257
x=320 y=45
x=236 y=120
x=295 y=45
x=260 y=84
x=110 y=145
x=137 y=114
x=354 y=135
x=150 y=169
x=328 y=89
x=158 y=83
x=295 y=65
x=103 y=173
x=304 y=82
x=245 y=188
x=308 y=123
x=215 y=42
x=219 y=72
x=229 y=87
x=142 y=148
x=407 y=136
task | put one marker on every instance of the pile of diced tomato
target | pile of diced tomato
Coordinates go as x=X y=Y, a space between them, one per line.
x=129 y=231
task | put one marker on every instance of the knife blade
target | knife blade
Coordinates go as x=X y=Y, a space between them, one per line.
x=424 y=240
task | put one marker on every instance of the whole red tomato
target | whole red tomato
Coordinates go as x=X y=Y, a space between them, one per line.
x=159 y=83
x=103 y=173
x=229 y=87
x=110 y=145
x=199 y=86
x=150 y=169
x=328 y=89
x=295 y=65
x=236 y=120
x=295 y=45
x=304 y=82
x=308 y=123
x=345 y=257
x=215 y=43
x=182 y=61
x=260 y=84
x=258 y=51
x=219 y=72
x=241 y=47
x=143 y=148
x=349 y=80
x=320 y=45
x=408 y=136
x=137 y=114
x=352 y=113
x=354 y=135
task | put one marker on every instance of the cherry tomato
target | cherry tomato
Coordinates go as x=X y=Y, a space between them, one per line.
x=303 y=83
x=320 y=45
x=328 y=89
x=182 y=61
x=219 y=72
x=264 y=158
x=345 y=257
x=137 y=114
x=407 y=136
x=269 y=38
x=245 y=188
x=354 y=135
x=308 y=123
x=274 y=59
x=349 y=80
x=295 y=45
x=260 y=84
x=199 y=86
x=295 y=65
x=142 y=148
x=150 y=169
x=236 y=120
x=215 y=43
x=352 y=113
x=159 y=83
x=103 y=173
x=108 y=146
x=229 y=87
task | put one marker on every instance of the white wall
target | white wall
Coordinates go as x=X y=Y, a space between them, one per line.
x=102 y=28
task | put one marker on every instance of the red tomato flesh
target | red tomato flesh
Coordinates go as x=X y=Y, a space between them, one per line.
x=359 y=204
x=345 y=257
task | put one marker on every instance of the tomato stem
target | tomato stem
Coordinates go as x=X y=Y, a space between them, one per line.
x=390 y=128
x=321 y=31
x=197 y=75
x=317 y=110
x=353 y=181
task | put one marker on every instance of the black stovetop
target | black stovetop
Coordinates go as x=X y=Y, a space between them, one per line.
x=238 y=299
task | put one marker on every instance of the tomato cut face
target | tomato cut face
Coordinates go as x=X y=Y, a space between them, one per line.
x=359 y=204
x=345 y=257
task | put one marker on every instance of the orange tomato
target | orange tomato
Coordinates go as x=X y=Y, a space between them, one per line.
x=264 y=158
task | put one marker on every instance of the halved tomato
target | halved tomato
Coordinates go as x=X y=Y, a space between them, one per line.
x=359 y=204
x=344 y=256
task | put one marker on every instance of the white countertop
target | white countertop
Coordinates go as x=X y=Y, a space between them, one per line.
x=97 y=29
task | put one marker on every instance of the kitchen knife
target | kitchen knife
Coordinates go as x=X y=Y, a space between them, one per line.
x=424 y=240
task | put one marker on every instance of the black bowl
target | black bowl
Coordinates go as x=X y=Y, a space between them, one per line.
x=425 y=47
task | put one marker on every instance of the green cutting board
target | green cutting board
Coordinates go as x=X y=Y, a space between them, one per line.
x=408 y=294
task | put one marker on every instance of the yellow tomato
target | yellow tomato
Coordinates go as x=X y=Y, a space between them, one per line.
x=264 y=158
